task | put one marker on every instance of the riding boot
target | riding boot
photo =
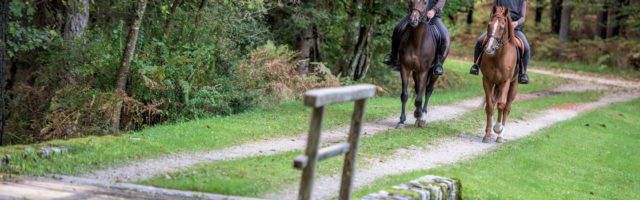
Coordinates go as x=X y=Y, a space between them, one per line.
x=398 y=31
x=392 y=61
x=475 y=69
x=523 y=79
x=437 y=70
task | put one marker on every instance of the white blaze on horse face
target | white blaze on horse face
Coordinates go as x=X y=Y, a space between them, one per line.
x=491 y=39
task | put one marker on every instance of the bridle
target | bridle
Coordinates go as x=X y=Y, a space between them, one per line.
x=504 y=30
x=422 y=14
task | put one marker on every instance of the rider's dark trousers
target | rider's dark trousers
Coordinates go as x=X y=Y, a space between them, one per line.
x=395 y=38
x=519 y=34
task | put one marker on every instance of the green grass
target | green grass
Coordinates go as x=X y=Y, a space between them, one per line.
x=98 y=152
x=569 y=160
x=256 y=176
x=613 y=71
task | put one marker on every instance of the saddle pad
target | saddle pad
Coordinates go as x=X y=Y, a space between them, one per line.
x=519 y=45
x=518 y=62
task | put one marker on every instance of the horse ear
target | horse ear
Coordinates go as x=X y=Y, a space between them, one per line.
x=506 y=12
x=494 y=9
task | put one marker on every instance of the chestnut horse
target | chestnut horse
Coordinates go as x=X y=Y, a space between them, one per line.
x=417 y=52
x=498 y=70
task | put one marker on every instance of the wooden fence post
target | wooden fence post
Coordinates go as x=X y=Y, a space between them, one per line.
x=306 y=185
x=354 y=141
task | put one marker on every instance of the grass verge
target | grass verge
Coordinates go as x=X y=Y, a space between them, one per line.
x=596 y=69
x=257 y=176
x=99 y=152
x=593 y=156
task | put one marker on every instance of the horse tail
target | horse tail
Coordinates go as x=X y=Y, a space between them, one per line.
x=495 y=96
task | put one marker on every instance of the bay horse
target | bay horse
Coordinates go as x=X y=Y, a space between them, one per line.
x=498 y=67
x=417 y=51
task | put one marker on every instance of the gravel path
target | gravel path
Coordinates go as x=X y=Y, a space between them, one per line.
x=146 y=169
x=451 y=150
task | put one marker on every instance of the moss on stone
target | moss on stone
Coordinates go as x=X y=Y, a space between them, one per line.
x=458 y=188
x=445 y=190
x=408 y=193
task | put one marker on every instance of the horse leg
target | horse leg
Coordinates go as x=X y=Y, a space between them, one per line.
x=415 y=82
x=513 y=90
x=404 y=96
x=421 y=84
x=488 y=95
x=502 y=98
x=429 y=91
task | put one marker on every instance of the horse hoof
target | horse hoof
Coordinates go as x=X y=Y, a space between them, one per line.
x=499 y=140
x=497 y=128
x=485 y=139
x=400 y=126
x=421 y=123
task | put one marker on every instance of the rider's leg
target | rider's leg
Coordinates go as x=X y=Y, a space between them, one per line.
x=392 y=60
x=523 y=78
x=444 y=32
x=475 y=69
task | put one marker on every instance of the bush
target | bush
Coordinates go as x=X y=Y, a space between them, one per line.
x=269 y=72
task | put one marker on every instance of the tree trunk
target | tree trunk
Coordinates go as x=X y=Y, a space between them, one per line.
x=4 y=58
x=616 y=18
x=123 y=73
x=601 y=21
x=362 y=58
x=356 y=41
x=565 y=22
x=203 y=4
x=470 y=13
x=172 y=11
x=349 y=38
x=556 y=12
x=308 y=46
x=77 y=19
x=540 y=4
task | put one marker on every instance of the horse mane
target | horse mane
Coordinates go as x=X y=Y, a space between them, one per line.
x=510 y=28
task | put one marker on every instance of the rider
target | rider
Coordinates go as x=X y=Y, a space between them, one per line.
x=434 y=8
x=518 y=11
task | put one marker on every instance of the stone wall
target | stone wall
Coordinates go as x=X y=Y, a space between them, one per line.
x=424 y=188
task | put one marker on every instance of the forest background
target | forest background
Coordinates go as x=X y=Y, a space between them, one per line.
x=73 y=68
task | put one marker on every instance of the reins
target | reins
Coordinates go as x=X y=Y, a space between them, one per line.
x=422 y=16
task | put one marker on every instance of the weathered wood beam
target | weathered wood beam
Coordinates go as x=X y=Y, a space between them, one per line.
x=325 y=153
x=321 y=97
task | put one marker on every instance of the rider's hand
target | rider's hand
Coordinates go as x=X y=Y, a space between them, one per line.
x=431 y=13
x=514 y=24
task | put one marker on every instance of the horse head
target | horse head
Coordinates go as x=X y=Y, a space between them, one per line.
x=418 y=11
x=499 y=25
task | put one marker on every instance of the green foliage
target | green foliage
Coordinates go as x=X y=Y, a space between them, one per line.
x=22 y=37
x=190 y=74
